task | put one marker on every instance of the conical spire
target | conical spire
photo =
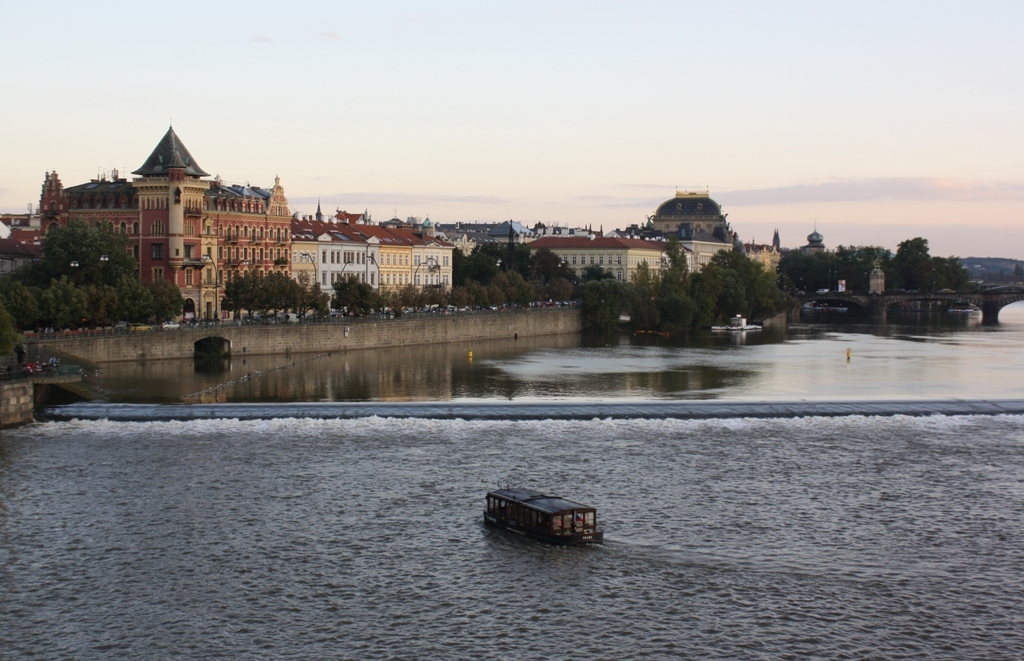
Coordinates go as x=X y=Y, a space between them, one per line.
x=319 y=214
x=170 y=152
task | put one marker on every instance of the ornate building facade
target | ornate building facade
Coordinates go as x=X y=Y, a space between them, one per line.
x=181 y=226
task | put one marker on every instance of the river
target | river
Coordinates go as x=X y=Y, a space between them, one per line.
x=850 y=537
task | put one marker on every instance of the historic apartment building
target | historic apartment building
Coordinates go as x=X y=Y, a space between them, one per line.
x=182 y=227
x=199 y=233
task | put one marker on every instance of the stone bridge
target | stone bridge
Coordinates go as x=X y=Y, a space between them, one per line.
x=991 y=301
x=325 y=337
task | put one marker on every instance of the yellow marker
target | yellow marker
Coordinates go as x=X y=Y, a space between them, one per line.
x=470 y=356
x=847 y=354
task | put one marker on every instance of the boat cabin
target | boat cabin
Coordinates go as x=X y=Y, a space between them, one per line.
x=541 y=516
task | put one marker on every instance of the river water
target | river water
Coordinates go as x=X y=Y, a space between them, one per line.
x=851 y=537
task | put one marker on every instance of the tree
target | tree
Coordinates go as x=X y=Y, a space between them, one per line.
x=545 y=266
x=134 y=299
x=356 y=297
x=602 y=304
x=63 y=303
x=101 y=256
x=913 y=264
x=514 y=288
x=167 y=301
x=102 y=303
x=20 y=301
x=9 y=337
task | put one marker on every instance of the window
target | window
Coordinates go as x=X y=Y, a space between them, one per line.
x=188 y=276
x=324 y=259
x=158 y=250
x=158 y=274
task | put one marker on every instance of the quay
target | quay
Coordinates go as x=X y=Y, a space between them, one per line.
x=239 y=339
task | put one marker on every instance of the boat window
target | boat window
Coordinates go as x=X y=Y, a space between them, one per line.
x=567 y=521
x=556 y=524
x=589 y=519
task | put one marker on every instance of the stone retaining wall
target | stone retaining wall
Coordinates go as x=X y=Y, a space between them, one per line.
x=319 y=337
x=16 y=402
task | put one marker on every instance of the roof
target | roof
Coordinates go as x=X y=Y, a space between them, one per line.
x=170 y=152
x=24 y=244
x=118 y=186
x=601 y=243
x=689 y=205
x=538 y=500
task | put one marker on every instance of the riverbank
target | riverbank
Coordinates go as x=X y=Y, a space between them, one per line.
x=317 y=338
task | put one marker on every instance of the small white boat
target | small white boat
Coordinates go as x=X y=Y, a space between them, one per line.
x=736 y=324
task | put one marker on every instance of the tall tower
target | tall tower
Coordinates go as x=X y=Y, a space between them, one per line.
x=52 y=204
x=775 y=240
x=171 y=194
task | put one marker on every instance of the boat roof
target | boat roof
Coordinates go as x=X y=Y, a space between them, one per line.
x=538 y=500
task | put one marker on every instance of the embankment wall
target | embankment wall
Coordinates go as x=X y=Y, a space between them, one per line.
x=16 y=402
x=317 y=338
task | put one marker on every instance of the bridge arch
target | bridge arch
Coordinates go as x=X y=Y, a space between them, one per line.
x=211 y=346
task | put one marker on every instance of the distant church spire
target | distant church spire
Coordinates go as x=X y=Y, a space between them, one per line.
x=775 y=239
x=319 y=214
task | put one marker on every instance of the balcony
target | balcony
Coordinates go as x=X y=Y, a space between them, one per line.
x=193 y=261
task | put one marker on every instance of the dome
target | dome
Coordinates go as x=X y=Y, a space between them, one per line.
x=814 y=237
x=427 y=223
x=689 y=205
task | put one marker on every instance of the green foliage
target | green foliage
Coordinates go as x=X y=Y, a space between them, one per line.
x=356 y=297
x=480 y=266
x=596 y=273
x=546 y=266
x=21 y=302
x=9 y=337
x=62 y=303
x=514 y=288
x=916 y=269
x=102 y=303
x=86 y=246
x=134 y=299
x=167 y=300
x=602 y=304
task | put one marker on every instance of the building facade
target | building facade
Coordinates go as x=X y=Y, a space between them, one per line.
x=621 y=257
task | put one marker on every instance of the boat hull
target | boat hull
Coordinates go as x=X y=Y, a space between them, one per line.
x=593 y=537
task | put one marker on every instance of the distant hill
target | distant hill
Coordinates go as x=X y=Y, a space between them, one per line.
x=994 y=269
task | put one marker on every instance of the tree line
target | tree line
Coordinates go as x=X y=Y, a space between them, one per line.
x=86 y=277
x=675 y=300
x=912 y=267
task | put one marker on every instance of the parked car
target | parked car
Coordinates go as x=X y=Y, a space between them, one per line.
x=139 y=328
x=170 y=325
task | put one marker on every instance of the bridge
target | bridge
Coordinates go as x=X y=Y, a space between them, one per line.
x=990 y=301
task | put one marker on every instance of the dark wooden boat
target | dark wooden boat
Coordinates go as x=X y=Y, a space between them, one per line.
x=548 y=518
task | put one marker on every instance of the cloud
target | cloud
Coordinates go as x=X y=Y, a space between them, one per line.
x=884 y=188
x=364 y=198
x=261 y=39
x=331 y=35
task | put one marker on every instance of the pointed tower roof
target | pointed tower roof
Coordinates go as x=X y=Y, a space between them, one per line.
x=319 y=214
x=170 y=152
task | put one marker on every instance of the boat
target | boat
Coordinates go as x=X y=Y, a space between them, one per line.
x=737 y=323
x=963 y=309
x=550 y=519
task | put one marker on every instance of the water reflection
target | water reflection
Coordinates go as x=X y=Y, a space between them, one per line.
x=910 y=356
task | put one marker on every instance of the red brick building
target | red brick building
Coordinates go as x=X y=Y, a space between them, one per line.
x=182 y=227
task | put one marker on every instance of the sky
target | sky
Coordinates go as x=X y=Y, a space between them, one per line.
x=875 y=121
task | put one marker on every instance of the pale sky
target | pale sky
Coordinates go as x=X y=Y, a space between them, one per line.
x=879 y=121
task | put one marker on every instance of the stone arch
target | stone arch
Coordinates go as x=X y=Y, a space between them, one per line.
x=211 y=347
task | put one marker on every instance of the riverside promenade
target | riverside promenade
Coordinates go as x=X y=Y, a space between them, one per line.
x=245 y=339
